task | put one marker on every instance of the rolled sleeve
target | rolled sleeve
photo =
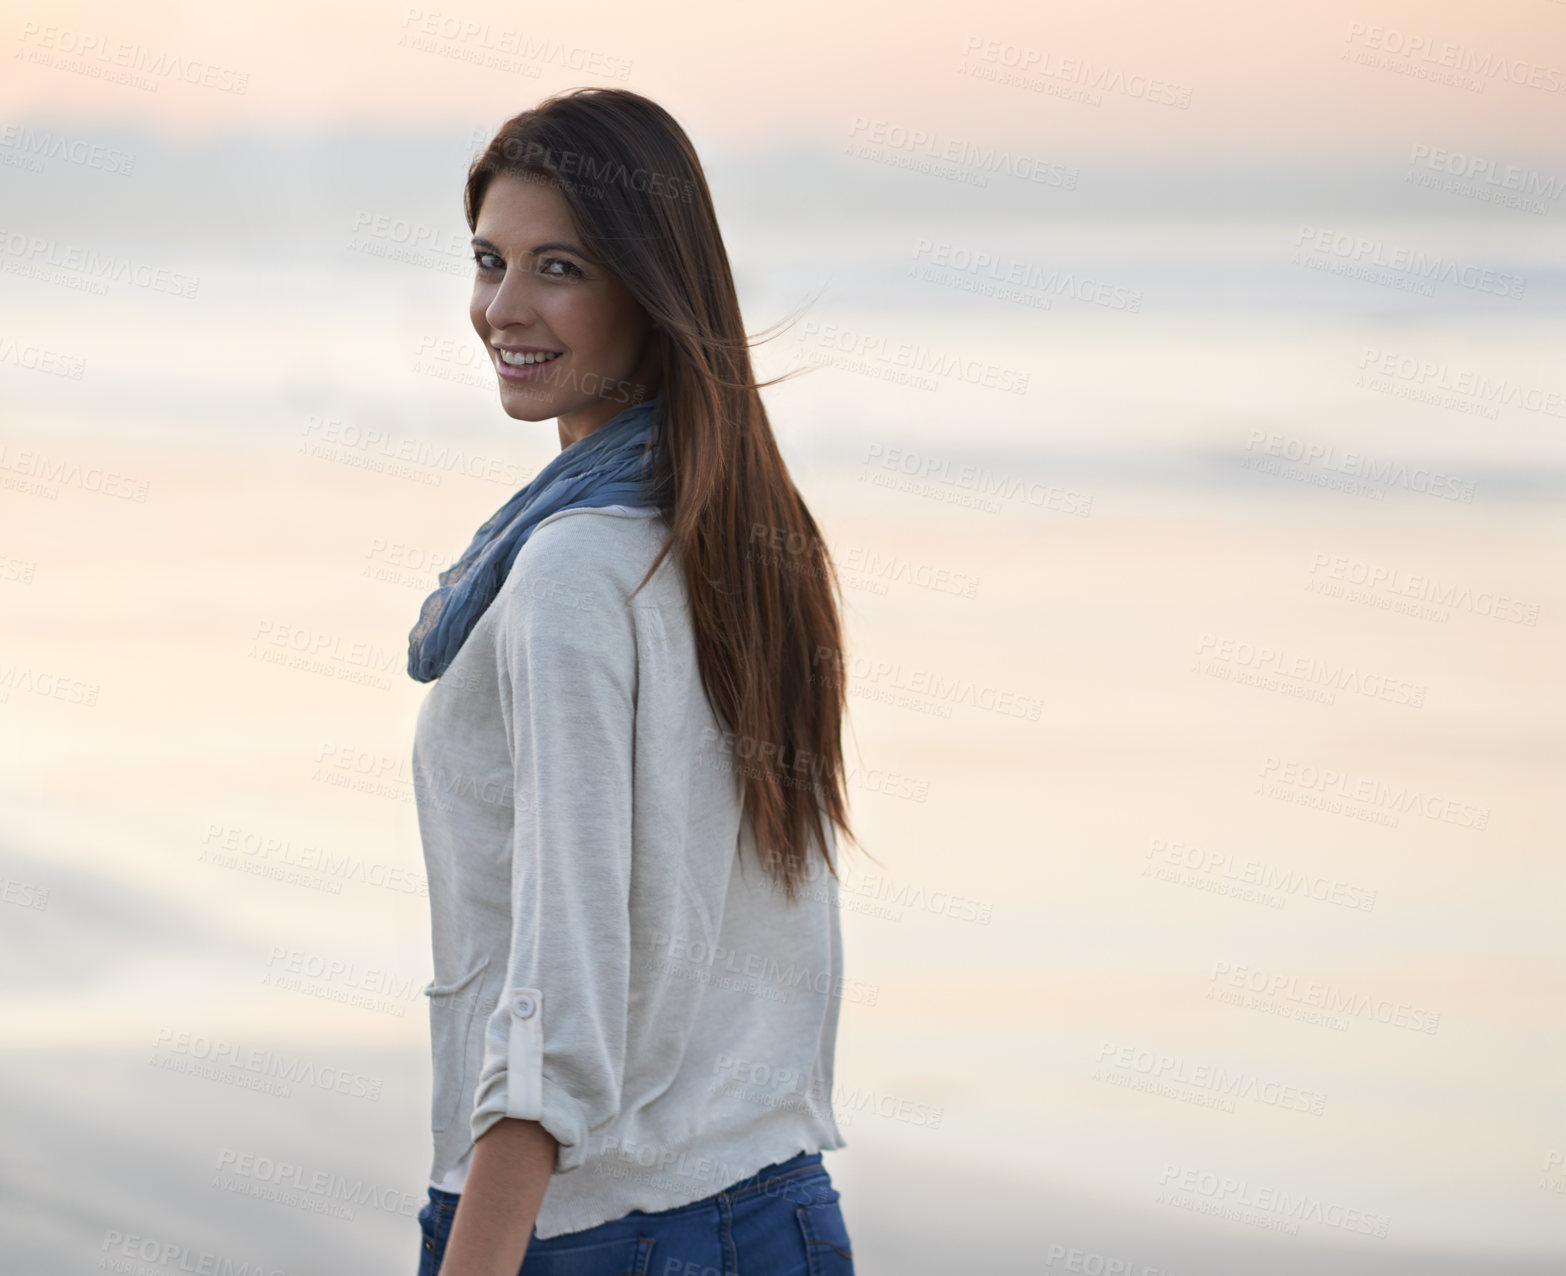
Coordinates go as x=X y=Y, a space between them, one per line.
x=554 y=1047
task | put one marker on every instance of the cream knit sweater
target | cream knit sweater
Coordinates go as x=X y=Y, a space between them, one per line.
x=610 y=958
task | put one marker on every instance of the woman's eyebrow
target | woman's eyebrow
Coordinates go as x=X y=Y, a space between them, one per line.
x=553 y=246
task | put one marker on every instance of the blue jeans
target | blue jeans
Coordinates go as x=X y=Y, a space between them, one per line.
x=782 y=1221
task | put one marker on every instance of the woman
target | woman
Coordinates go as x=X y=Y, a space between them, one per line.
x=630 y=765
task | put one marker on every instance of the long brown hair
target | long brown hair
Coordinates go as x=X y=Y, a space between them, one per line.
x=763 y=590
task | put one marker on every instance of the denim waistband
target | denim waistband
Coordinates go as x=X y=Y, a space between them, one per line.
x=794 y=1167
x=790 y=1168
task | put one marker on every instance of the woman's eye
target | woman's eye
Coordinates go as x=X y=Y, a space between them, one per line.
x=568 y=269
x=478 y=259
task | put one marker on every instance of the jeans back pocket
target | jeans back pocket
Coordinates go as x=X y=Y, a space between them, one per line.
x=827 y=1247
x=631 y=1256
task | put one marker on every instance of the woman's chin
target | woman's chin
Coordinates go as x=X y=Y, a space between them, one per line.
x=527 y=403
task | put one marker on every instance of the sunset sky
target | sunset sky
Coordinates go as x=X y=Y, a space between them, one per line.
x=1265 y=81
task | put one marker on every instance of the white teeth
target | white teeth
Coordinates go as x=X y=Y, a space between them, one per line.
x=523 y=360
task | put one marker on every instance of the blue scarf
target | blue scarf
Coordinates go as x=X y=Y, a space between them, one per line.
x=605 y=468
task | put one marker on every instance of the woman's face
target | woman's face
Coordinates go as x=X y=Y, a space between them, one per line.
x=537 y=293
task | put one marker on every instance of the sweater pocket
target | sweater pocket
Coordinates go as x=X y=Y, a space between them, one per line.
x=452 y=1011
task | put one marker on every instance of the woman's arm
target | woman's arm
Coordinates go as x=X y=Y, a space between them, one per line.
x=554 y=1046
x=500 y=1200
x=554 y=1053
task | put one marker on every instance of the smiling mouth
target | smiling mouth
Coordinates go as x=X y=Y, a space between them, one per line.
x=516 y=359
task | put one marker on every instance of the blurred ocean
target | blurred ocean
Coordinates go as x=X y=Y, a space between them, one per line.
x=1202 y=575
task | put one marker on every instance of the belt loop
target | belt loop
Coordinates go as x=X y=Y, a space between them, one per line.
x=726 y=1235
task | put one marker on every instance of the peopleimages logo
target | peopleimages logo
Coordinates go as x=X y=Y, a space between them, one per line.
x=1261 y=447
x=116 y=61
x=47 y=470
x=980 y=159
x=742 y=1078
x=132 y=1254
x=1264 y=665
x=1394 y=581
x=1486 y=172
x=224 y=1060
x=1029 y=62
x=1164 y=1069
x=88 y=267
x=486 y=45
x=1427 y=58
x=38 y=146
x=1389 y=797
x=1364 y=251
x=295 y=1182
x=1225 y=872
x=889 y=680
x=1432 y=378
x=1329 y=998
x=876 y=354
x=1229 y=1192
x=926 y=467
x=995 y=268
x=718 y=960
